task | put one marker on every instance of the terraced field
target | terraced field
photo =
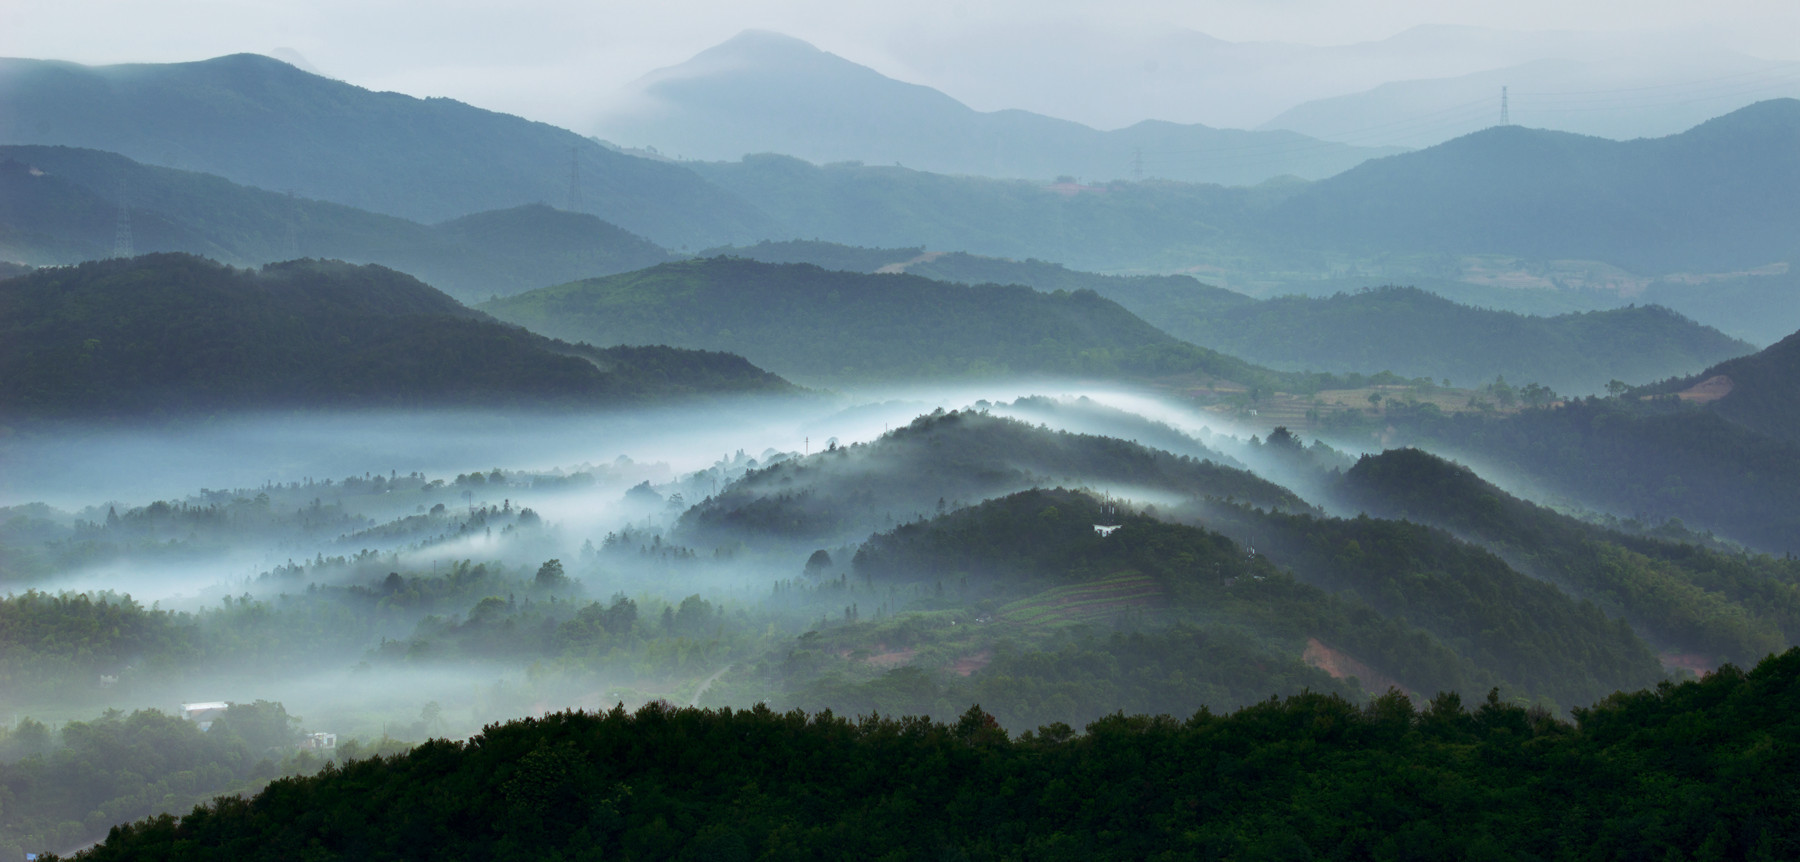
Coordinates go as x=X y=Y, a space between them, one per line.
x=1095 y=601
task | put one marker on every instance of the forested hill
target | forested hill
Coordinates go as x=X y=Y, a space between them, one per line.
x=168 y=334
x=1408 y=331
x=259 y=121
x=61 y=205
x=1761 y=391
x=812 y=324
x=1652 y=459
x=1689 y=770
x=1685 y=599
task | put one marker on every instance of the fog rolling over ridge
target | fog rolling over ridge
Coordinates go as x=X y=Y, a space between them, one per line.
x=814 y=463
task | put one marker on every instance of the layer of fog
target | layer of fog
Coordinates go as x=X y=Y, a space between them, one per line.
x=590 y=479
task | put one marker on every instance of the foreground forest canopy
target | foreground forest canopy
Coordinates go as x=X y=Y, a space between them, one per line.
x=1705 y=769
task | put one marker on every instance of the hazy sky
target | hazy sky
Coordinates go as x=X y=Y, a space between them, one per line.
x=554 y=60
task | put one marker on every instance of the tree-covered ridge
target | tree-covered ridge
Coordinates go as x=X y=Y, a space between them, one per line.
x=808 y=323
x=1466 y=613
x=161 y=335
x=1651 y=459
x=946 y=459
x=1703 y=769
x=1686 y=599
x=60 y=205
x=1524 y=630
x=1760 y=391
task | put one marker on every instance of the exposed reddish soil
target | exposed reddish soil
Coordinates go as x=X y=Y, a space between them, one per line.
x=971 y=663
x=882 y=656
x=1341 y=665
x=1711 y=389
x=897 y=268
x=1695 y=662
x=892 y=658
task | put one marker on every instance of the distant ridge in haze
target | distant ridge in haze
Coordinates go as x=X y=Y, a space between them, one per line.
x=1723 y=195
x=258 y=121
x=815 y=325
x=59 y=205
x=1404 y=330
x=765 y=92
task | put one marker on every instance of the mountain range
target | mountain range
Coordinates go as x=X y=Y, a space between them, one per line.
x=261 y=122
x=62 y=205
x=765 y=92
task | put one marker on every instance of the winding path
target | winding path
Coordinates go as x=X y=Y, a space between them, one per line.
x=706 y=684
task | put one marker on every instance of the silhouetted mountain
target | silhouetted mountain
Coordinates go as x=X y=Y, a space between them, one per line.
x=259 y=121
x=812 y=324
x=1718 y=197
x=165 y=335
x=60 y=205
x=765 y=92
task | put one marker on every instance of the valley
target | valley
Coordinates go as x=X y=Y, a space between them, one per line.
x=813 y=465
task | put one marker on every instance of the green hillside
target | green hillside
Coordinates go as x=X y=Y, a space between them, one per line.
x=261 y=122
x=1686 y=599
x=60 y=205
x=814 y=325
x=1760 y=392
x=167 y=334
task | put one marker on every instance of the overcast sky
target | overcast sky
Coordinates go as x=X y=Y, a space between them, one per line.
x=554 y=60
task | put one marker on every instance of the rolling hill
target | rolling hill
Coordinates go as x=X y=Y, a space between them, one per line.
x=261 y=122
x=60 y=205
x=167 y=335
x=764 y=92
x=812 y=324
x=1410 y=332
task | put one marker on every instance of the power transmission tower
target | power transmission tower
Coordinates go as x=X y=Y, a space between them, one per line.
x=1137 y=164
x=1504 y=119
x=574 y=179
x=122 y=233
